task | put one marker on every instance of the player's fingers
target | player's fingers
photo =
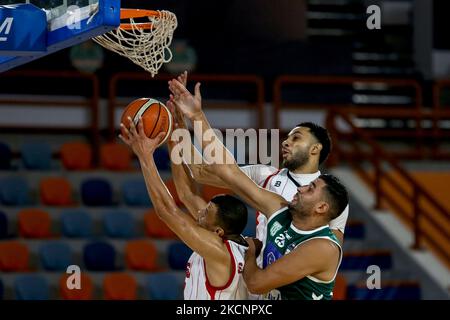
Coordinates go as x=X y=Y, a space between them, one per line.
x=172 y=88
x=179 y=87
x=141 y=128
x=132 y=127
x=160 y=137
x=197 y=90
x=170 y=105
x=125 y=140
x=125 y=130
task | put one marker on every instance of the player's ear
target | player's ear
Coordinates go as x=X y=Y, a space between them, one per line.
x=322 y=207
x=220 y=231
x=316 y=148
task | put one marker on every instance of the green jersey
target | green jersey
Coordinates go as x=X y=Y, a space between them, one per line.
x=282 y=238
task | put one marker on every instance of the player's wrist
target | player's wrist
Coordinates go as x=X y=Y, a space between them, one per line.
x=196 y=116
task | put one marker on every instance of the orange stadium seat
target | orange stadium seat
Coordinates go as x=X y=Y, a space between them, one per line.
x=14 y=256
x=141 y=255
x=155 y=228
x=34 y=223
x=115 y=156
x=76 y=156
x=84 y=293
x=210 y=191
x=340 y=288
x=56 y=192
x=119 y=286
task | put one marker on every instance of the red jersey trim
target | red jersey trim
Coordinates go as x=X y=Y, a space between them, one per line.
x=209 y=287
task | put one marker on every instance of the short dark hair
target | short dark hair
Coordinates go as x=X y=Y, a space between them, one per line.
x=232 y=213
x=336 y=193
x=322 y=135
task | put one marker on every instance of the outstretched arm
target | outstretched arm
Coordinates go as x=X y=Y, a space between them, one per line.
x=186 y=188
x=227 y=170
x=318 y=258
x=204 y=242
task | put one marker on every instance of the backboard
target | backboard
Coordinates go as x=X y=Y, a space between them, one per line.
x=67 y=23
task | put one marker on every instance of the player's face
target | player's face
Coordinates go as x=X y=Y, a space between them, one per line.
x=307 y=197
x=295 y=149
x=207 y=216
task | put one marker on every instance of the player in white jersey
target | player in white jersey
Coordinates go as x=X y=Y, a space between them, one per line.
x=304 y=150
x=213 y=231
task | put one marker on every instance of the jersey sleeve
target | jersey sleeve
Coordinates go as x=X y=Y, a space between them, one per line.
x=340 y=222
x=258 y=172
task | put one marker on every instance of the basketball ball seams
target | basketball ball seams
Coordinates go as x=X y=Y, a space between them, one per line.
x=157 y=120
x=169 y=129
x=160 y=120
x=142 y=110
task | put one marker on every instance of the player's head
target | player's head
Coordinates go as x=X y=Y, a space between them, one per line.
x=326 y=198
x=306 y=142
x=225 y=215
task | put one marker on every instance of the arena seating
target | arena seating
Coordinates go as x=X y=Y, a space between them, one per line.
x=31 y=287
x=5 y=156
x=102 y=220
x=36 y=156
x=76 y=156
x=119 y=224
x=120 y=286
x=14 y=191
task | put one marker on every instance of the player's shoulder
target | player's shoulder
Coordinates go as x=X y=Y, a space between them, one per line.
x=259 y=172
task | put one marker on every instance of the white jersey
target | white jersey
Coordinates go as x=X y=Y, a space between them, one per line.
x=284 y=183
x=197 y=286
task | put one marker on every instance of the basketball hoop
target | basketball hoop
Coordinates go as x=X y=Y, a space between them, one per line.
x=144 y=37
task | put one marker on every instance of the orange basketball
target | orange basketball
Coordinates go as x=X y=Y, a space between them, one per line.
x=155 y=116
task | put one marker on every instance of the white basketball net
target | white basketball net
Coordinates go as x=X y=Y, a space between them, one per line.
x=148 y=48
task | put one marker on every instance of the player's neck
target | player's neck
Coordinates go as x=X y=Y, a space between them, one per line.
x=305 y=223
x=307 y=168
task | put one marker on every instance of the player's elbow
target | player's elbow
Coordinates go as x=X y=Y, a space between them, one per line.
x=255 y=287
x=254 y=284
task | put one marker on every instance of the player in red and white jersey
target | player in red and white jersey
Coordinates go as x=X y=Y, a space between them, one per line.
x=198 y=287
x=212 y=231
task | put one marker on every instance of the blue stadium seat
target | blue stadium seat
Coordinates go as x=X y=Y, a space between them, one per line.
x=5 y=157
x=250 y=228
x=178 y=255
x=56 y=256
x=96 y=192
x=119 y=224
x=37 y=156
x=162 y=159
x=406 y=291
x=361 y=260
x=3 y=225
x=99 y=256
x=14 y=191
x=164 y=286
x=135 y=193
x=31 y=287
x=76 y=223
